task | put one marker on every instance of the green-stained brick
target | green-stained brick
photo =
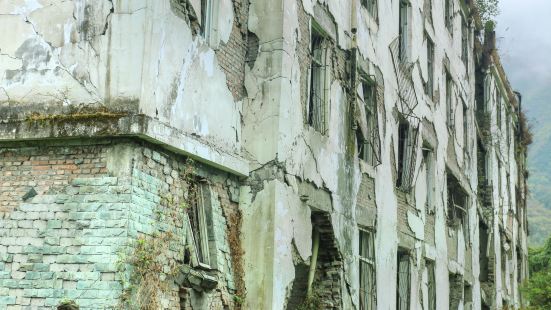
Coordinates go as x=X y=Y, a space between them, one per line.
x=41 y=267
x=32 y=275
x=5 y=274
x=34 y=258
x=7 y=300
x=52 y=224
x=105 y=267
x=26 y=267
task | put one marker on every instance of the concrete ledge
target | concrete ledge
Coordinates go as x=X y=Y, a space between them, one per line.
x=104 y=124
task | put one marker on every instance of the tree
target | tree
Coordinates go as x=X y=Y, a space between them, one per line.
x=538 y=289
x=488 y=10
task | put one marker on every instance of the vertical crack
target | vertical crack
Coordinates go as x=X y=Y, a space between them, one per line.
x=108 y=18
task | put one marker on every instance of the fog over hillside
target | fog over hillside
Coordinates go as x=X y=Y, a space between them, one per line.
x=524 y=40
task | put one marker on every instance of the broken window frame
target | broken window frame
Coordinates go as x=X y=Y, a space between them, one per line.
x=429 y=89
x=372 y=7
x=403 y=287
x=458 y=205
x=367 y=268
x=368 y=148
x=404 y=30
x=431 y=284
x=198 y=225
x=318 y=88
x=407 y=155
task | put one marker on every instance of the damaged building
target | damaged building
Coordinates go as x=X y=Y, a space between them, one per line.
x=258 y=154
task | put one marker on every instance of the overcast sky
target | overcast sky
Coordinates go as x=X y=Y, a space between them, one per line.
x=524 y=41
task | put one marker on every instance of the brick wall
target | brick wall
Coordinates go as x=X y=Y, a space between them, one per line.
x=60 y=243
x=232 y=55
x=66 y=240
x=159 y=184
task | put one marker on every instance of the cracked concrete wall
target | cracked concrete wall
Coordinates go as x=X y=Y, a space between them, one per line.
x=275 y=112
x=508 y=236
x=238 y=101
x=119 y=54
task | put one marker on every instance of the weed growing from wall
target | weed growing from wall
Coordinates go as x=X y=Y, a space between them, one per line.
x=151 y=262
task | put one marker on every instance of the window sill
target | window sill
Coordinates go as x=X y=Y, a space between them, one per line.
x=196 y=278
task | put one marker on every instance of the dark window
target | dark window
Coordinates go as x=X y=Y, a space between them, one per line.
x=198 y=221
x=403 y=285
x=431 y=285
x=402 y=145
x=430 y=67
x=407 y=151
x=467 y=296
x=371 y=7
x=456 y=290
x=448 y=14
x=404 y=30
x=366 y=147
x=465 y=43
x=449 y=100
x=457 y=205
x=317 y=102
x=368 y=289
x=428 y=159
x=465 y=128
x=206 y=19
x=483 y=251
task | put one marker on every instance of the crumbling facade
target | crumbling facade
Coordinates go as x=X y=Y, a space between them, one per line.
x=295 y=154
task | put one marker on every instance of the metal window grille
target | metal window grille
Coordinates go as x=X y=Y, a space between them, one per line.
x=198 y=222
x=403 y=294
x=368 y=150
x=368 y=288
x=317 y=104
x=431 y=286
